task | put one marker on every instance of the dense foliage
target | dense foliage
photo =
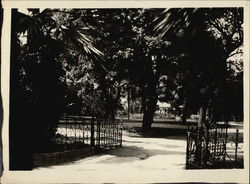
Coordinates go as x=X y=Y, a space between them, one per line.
x=85 y=61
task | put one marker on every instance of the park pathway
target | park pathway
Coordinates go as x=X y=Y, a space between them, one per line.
x=140 y=160
x=137 y=154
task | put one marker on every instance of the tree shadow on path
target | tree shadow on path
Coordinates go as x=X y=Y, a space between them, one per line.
x=133 y=153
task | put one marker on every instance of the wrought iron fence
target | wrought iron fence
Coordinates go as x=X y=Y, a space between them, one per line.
x=235 y=148
x=78 y=131
x=209 y=148
x=109 y=134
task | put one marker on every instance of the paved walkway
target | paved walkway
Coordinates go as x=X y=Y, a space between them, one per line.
x=137 y=153
x=140 y=160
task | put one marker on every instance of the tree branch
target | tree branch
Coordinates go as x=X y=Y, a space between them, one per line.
x=240 y=52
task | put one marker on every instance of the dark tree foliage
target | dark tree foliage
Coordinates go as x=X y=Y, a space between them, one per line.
x=114 y=30
x=183 y=56
x=36 y=95
x=37 y=89
x=188 y=53
x=202 y=45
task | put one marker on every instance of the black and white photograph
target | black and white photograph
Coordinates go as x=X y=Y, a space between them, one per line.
x=126 y=90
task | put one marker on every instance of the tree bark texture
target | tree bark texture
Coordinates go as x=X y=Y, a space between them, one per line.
x=149 y=105
x=185 y=112
x=202 y=119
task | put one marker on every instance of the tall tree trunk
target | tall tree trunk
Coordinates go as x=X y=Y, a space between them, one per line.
x=150 y=96
x=211 y=118
x=129 y=103
x=201 y=132
x=116 y=102
x=150 y=101
x=202 y=118
x=184 y=112
x=148 y=115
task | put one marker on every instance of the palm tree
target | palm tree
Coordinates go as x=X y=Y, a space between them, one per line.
x=38 y=40
x=191 y=30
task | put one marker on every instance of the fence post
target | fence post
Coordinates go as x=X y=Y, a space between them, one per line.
x=74 y=124
x=66 y=130
x=121 y=126
x=225 y=144
x=236 y=143
x=215 y=144
x=83 y=128
x=98 y=134
x=198 y=151
x=92 y=132
x=187 y=150
x=207 y=139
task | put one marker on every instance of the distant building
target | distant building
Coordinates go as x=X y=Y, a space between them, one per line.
x=162 y=108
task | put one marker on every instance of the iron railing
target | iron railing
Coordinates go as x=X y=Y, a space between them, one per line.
x=79 y=131
x=209 y=148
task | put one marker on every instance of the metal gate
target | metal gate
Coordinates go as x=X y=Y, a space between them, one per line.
x=109 y=134
x=78 y=131
x=207 y=148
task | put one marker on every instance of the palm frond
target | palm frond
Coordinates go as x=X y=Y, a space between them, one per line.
x=41 y=25
x=174 y=22
x=79 y=39
x=23 y=23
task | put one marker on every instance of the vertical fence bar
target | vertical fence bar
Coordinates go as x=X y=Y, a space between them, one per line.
x=207 y=139
x=66 y=129
x=74 y=126
x=118 y=130
x=225 y=144
x=92 y=132
x=198 y=151
x=104 y=126
x=98 y=134
x=187 y=150
x=113 y=133
x=107 y=130
x=215 y=143
x=121 y=133
x=236 y=143
x=82 y=129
